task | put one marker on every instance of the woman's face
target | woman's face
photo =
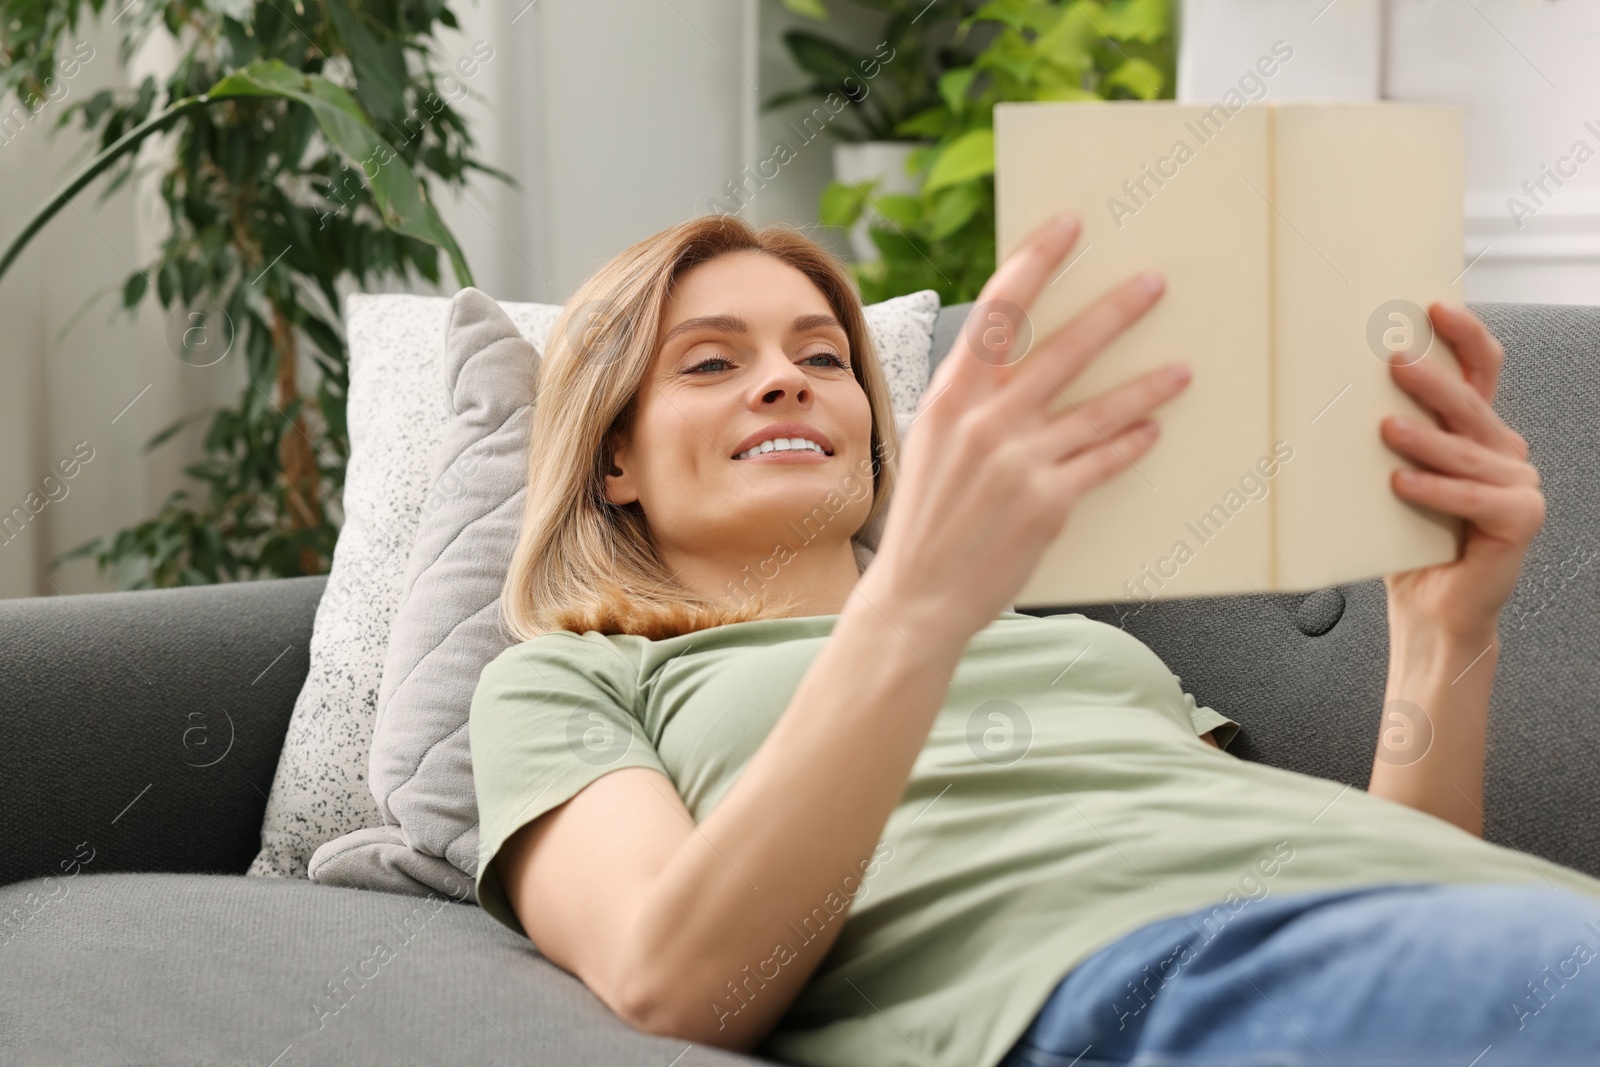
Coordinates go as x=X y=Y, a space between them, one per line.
x=749 y=352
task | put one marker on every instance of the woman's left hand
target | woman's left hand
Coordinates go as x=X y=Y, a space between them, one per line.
x=1474 y=467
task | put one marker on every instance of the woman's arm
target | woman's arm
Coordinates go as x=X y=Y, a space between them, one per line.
x=1443 y=620
x=1435 y=715
x=678 y=927
x=674 y=926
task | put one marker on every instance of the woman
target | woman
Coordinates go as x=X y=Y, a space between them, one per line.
x=720 y=737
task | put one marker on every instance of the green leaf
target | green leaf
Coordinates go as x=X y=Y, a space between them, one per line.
x=894 y=245
x=824 y=59
x=918 y=159
x=930 y=122
x=162 y=436
x=168 y=282
x=811 y=9
x=322 y=335
x=900 y=209
x=1010 y=54
x=133 y=290
x=1139 y=76
x=1064 y=91
x=1019 y=15
x=380 y=65
x=953 y=87
x=1070 y=42
x=1137 y=20
x=841 y=204
x=402 y=199
x=96 y=106
x=969 y=156
x=953 y=207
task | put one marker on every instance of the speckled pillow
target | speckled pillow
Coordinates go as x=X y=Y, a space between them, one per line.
x=398 y=412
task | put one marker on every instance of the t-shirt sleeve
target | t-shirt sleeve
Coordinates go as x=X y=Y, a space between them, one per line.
x=1209 y=721
x=549 y=716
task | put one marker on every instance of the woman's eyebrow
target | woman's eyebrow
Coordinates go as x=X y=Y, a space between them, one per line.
x=734 y=324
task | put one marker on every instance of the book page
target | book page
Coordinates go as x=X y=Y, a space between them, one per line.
x=1170 y=187
x=1368 y=209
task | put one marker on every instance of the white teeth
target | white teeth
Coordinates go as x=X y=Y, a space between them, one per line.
x=782 y=444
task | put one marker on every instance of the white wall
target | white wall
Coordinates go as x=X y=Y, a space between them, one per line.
x=73 y=368
x=1529 y=75
x=615 y=116
x=1526 y=72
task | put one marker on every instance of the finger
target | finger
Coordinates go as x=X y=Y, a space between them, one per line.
x=997 y=325
x=1507 y=513
x=1100 y=463
x=1453 y=454
x=1059 y=358
x=1480 y=355
x=1024 y=274
x=1460 y=407
x=1096 y=420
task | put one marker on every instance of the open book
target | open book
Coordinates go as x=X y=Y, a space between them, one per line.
x=1301 y=243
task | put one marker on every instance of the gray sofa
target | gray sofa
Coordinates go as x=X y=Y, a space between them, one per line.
x=141 y=741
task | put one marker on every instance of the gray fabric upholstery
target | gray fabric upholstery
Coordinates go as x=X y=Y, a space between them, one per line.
x=1308 y=694
x=104 y=696
x=206 y=970
x=96 y=693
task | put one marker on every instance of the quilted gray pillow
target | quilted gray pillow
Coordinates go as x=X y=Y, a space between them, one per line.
x=447 y=627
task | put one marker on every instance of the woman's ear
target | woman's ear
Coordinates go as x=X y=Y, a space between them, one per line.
x=619 y=488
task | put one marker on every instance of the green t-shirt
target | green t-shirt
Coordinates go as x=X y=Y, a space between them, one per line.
x=1063 y=799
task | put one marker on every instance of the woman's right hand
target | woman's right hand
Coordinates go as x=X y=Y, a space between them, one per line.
x=989 y=477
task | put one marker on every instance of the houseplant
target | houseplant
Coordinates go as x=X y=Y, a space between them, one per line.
x=279 y=187
x=884 y=83
x=942 y=235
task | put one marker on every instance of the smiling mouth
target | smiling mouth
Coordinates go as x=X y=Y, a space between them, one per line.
x=786 y=448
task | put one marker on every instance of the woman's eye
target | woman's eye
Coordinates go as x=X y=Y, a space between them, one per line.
x=716 y=364
x=832 y=357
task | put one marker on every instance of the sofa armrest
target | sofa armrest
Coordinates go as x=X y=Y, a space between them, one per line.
x=142 y=730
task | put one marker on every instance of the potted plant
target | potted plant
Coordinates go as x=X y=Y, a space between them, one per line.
x=941 y=235
x=874 y=90
x=302 y=138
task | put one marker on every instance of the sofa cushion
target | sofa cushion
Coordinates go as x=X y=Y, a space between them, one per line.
x=217 y=969
x=448 y=625
x=396 y=412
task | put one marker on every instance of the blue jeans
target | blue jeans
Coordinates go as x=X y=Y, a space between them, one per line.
x=1384 y=976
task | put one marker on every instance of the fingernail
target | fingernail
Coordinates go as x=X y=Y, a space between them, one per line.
x=1153 y=282
x=1067 y=221
x=1406 y=477
x=1178 y=372
x=1401 y=424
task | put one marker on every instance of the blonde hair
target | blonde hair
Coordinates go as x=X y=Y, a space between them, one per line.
x=582 y=563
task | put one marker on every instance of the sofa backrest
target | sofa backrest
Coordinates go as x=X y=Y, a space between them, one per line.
x=1304 y=674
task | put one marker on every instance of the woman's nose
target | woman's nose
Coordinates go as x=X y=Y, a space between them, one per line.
x=782 y=378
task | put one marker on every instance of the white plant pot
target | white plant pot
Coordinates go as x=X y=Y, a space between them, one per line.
x=864 y=161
